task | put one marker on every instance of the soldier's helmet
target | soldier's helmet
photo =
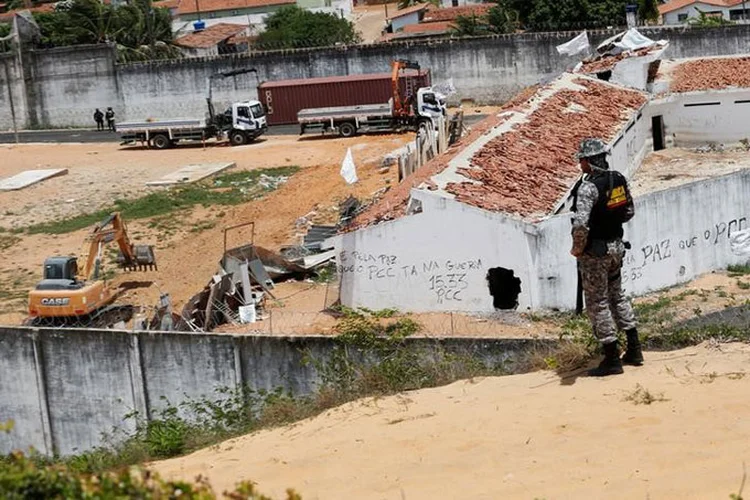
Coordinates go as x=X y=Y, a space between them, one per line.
x=592 y=147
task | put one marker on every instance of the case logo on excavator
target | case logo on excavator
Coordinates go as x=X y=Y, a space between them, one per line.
x=55 y=302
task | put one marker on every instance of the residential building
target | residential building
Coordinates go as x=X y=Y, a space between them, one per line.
x=215 y=40
x=680 y=11
x=405 y=17
x=248 y=12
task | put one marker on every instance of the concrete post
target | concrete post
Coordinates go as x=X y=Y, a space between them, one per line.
x=137 y=381
x=41 y=386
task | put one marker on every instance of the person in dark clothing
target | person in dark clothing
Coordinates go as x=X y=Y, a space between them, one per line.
x=602 y=204
x=99 y=119
x=110 y=115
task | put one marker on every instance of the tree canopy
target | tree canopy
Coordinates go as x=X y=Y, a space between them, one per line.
x=139 y=30
x=293 y=27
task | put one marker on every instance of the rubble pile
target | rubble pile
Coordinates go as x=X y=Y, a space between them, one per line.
x=705 y=74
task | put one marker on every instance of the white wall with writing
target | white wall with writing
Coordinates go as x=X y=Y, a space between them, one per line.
x=676 y=235
x=437 y=260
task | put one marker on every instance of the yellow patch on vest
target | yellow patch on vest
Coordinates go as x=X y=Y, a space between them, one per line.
x=617 y=197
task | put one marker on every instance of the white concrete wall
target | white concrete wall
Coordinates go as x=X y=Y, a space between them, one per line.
x=400 y=22
x=703 y=117
x=460 y=3
x=436 y=260
x=690 y=10
x=676 y=235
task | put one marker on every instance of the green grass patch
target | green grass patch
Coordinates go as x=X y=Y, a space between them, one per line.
x=738 y=270
x=227 y=189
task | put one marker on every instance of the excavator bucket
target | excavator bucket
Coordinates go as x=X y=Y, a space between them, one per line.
x=144 y=259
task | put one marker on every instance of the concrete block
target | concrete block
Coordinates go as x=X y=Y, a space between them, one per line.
x=191 y=173
x=29 y=177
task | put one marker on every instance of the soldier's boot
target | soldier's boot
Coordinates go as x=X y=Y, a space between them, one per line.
x=633 y=355
x=611 y=364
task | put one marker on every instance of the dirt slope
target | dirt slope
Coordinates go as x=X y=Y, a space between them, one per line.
x=525 y=436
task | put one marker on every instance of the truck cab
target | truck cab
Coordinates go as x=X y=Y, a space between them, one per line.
x=248 y=121
x=430 y=104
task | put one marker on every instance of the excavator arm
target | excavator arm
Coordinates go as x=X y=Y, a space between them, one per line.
x=131 y=256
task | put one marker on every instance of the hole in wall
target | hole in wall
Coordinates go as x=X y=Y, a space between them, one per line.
x=504 y=287
x=604 y=75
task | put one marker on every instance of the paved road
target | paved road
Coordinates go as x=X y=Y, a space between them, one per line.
x=84 y=135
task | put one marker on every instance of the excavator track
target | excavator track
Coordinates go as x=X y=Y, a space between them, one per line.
x=106 y=317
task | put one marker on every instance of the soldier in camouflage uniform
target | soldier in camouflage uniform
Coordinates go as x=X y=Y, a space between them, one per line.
x=602 y=203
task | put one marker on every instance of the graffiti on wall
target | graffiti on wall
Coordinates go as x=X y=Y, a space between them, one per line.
x=639 y=259
x=444 y=279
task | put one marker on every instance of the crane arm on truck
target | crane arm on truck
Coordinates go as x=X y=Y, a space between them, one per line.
x=399 y=103
x=225 y=74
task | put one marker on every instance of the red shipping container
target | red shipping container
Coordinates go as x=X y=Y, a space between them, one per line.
x=283 y=99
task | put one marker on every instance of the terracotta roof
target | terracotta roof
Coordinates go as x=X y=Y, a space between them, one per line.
x=436 y=27
x=189 y=6
x=452 y=13
x=210 y=36
x=608 y=62
x=528 y=168
x=678 y=4
x=704 y=74
x=45 y=7
x=409 y=10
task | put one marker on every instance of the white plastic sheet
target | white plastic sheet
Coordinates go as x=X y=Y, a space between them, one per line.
x=348 y=170
x=739 y=243
x=575 y=46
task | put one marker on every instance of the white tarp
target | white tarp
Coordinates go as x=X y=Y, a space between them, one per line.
x=348 y=170
x=739 y=243
x=574 y=46
x=624 y=42
x=446 y=89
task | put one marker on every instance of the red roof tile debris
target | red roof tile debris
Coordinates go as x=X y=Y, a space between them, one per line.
x=191 y=6
x=678 y=4
x=704 y=74
x=409 y=10
x=210 y=36
x=453 y=13
x=527 y=169
x=608 y=62
x=393 y=204
x=45 y=7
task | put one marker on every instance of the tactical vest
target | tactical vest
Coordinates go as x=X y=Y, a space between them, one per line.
x=613 y=207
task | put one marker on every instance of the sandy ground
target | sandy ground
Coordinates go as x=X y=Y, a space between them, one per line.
x=370 y=20
x=676 y=166
x=522 y=436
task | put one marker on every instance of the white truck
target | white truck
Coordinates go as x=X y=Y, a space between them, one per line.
x=398 y=114
x=241 y=123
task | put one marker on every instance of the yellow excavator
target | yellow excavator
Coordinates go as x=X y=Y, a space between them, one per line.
x=71 y=295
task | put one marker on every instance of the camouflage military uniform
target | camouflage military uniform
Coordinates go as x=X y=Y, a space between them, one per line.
x=606 y=304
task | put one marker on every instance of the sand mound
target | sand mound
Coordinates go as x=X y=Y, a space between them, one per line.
x=683 y=434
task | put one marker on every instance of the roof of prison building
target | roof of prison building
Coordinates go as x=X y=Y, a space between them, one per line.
x=409 y=10
x=608 y=62
x=189 y=7
x=678 y=4
x=711 y=73
x=522 y=160
x=210 y=36
x=453 y=13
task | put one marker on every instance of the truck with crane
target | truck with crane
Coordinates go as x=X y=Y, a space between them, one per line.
x=410 y=109
x=241 y=123
x=73 y=291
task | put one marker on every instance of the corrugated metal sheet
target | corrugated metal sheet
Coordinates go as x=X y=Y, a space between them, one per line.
x=283 y=99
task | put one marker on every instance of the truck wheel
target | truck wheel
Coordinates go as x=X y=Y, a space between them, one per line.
x=237 y=138
x=161 y=141
x=347 y=129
